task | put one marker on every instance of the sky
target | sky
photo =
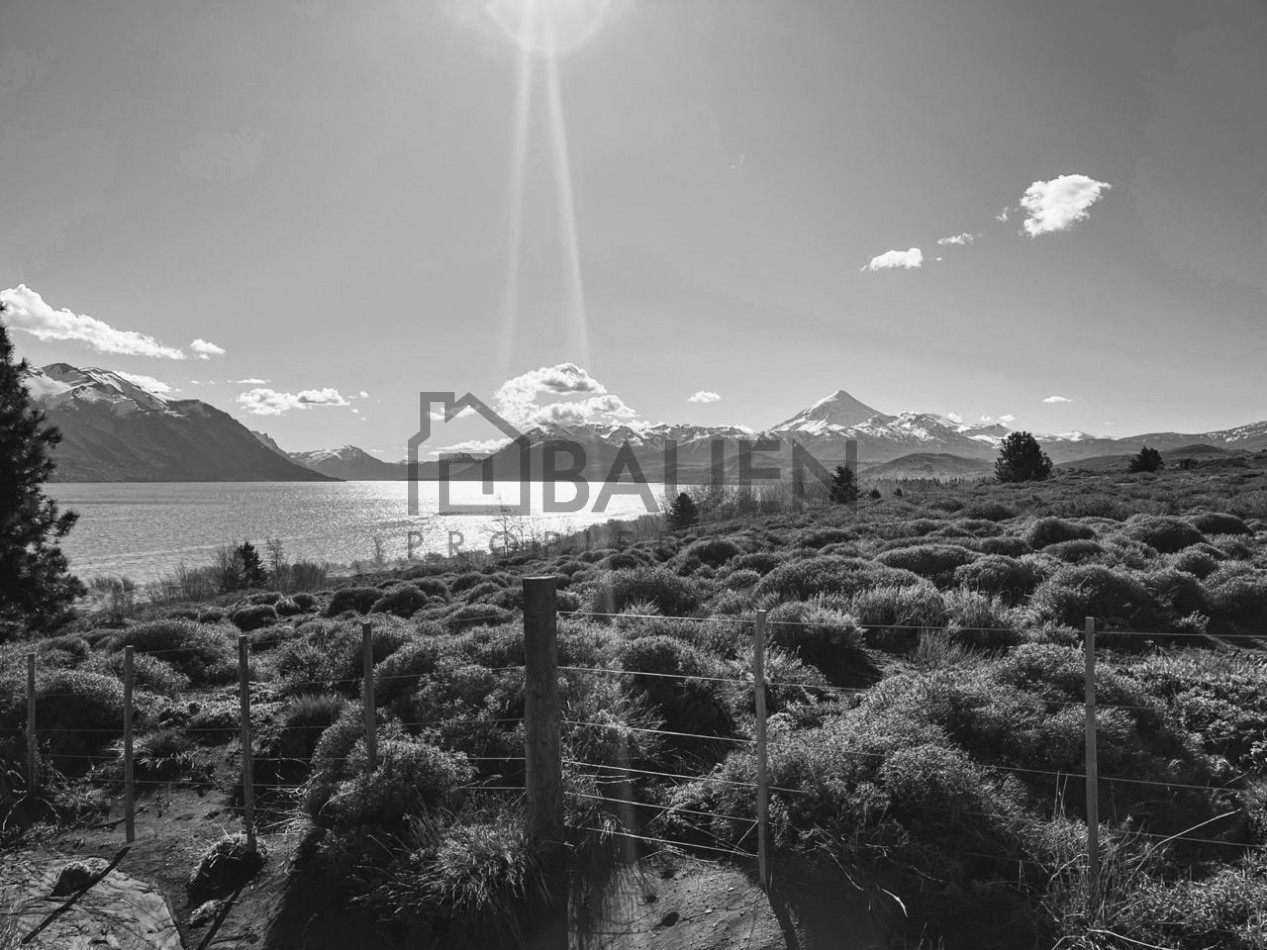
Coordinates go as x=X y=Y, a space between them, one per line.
x=709 y=211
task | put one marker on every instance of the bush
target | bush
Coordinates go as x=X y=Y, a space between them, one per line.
x=247 y=619
x=997 y=574
x=982 y=621
x=1047 y=531
x=1005 y=545
x=304 y=601
x=935 y=561
x=1167 y=534
x=988 y=510
x=742 y=580
x=215 y=723
x=359 y=599
x=477 y=615
x=403 y=601
x=763 y=562
x=1219 y=523
x=432 y=587
x=1115 y=598
x=1197 y=563
x=713 y=551
x=1237 y=592
x=1074 y=552
x=894 y=616
x=672 y=595
x=399 y=674
x=1178 y=592
x=411 y=776
x=829 y=574
x=207 y=655
x=286 y=607
x=148 y=673
x=697 y=706
x=827 y=639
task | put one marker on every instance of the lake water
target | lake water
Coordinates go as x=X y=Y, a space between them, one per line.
x=144 y=529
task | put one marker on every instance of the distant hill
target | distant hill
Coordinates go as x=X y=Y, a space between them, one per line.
x=929 y=465
x=1199 y=454
x=351 y=464
x=114 y=430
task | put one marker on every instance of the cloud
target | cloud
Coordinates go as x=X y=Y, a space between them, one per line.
x=471 y=447
x=206 y=350
x=26 y=310
x=249 y=381
x=148 y=383
x=1008 y=417
x=963 y=238
x=269 y=402
x=1058 y=204
x=1056 y=399
x=1002 y=215
x=704 y=396
x=363 y=395
x=954 y=417
x=907 y=259
x=516 y=399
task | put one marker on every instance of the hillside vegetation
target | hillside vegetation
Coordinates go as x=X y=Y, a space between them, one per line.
x=926 y=719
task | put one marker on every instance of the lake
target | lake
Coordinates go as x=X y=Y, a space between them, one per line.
x=143 y=529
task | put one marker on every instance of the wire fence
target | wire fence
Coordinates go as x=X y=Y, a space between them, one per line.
x=639 y=798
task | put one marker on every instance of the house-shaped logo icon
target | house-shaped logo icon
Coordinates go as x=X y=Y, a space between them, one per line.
x=452 y=407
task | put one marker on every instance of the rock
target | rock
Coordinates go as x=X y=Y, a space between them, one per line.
x=77 y=875
x=205 y=913
x=226 y=866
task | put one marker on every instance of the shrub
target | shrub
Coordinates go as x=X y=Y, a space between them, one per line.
x=1006 y=545
x=763 y=562
x=286 y=607
x=476 y=615
x=988 y=510
x=359 y=599
x=1116 y=598
x=148 y=673
x=304 y=601
x=829 y=574
x=1214 y=522
x=821 y=537
x=983 y=621
x=1021 y=459
x=226 y=866
x=432 y=587
x=1237 y=592
x=1074 y=552
x=215 y=723
x=713 y=551
x=1178 y=592
x=997 y=574
x=673 y=595
x=742 y=580
x=688 y=705
x=247 y=619
x=206 y=655
x=1166 y=534
x=935 y=561
x=411 y=776
x=403 y=601
x=1047 y=531
x=398 y=675
x=270 y=598
x=827 y=639
x=303 y=667
x=894 y=616
x=1197 y=563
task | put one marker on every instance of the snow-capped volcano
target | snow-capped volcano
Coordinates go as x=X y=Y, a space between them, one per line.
x=840 y=410
x=58 y=384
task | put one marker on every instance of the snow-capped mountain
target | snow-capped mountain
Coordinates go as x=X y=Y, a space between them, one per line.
x=350 y=463
x=116 y=429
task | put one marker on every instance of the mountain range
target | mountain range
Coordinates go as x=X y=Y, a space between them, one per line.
x=115 y=429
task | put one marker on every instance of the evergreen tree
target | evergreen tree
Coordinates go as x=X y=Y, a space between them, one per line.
x=1148 y=460
x=253 y=574
x=682 y=513
x=36 y=589
x=844 y=486
x=1022 y=459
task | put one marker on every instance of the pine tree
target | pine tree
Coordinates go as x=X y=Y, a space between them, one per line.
x=36 y=589
x=253 y=574
x=1022 y=459
x=844 y=486
x=683 y=513
x=1148 y=460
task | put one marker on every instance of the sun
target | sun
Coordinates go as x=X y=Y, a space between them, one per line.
x=548 y=27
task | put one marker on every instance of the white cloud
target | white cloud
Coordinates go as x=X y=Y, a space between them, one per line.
x=471 y=447
x=356 y=412
x=516 y=399
x=148 y=383
x=954 y=417
x=907 y=259
x=1058 y=204
x=363 y=395
x=269 y=402
x=704 y=396
x=206 y=350
x=964 y=238
x=1056 y=399
x=1005 y=419
x=250 y=381
x=26 y=310
x=1002 y=215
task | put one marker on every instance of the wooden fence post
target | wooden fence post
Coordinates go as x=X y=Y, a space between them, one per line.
x=129 y=786
x=1093 y=791
x=543 y=765
x=32 y=754
x=367 y=699
x=248 y=785
x=763 y=782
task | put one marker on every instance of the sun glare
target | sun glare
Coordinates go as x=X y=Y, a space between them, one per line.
x=548 y=27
